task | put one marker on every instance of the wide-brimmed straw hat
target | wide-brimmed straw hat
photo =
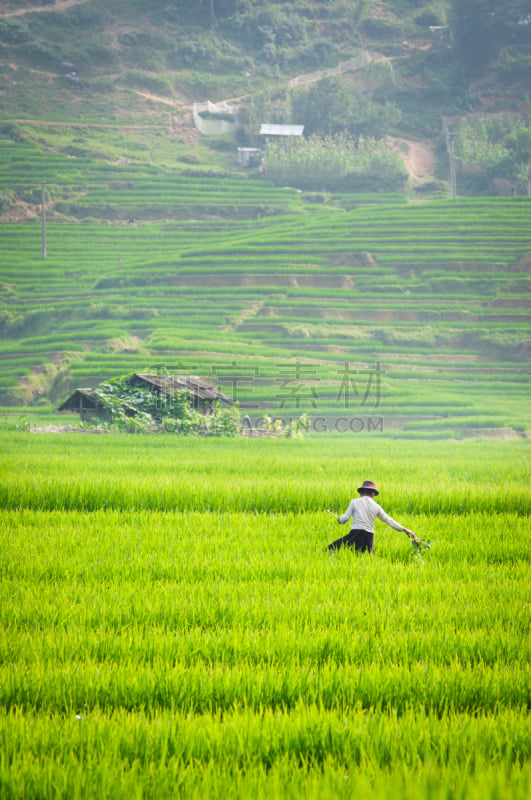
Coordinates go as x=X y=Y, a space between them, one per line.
x=370 y=485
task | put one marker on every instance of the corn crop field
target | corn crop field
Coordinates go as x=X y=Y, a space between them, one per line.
x=172 y=626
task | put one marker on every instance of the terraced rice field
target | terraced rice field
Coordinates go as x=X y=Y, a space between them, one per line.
x=411 y=317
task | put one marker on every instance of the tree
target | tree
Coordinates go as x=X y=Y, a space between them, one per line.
x=218 y=9
x=501 y=146
x=330 y=106
x=324 y=108
x=481 y=29
x=518 y=162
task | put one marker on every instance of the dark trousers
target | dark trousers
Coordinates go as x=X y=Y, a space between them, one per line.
x=363 y=541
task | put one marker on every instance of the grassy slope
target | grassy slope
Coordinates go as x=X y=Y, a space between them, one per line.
x=239 y=270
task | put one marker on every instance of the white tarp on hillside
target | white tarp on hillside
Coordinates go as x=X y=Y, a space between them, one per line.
x=213 y=127
x=221 y=108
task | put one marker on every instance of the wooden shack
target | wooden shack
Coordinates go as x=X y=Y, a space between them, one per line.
x=86 y=405
x=202 y=395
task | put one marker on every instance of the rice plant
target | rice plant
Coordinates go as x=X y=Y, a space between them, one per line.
x=171 y=625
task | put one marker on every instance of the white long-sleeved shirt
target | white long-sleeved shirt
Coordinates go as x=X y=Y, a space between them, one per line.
x=364 y=511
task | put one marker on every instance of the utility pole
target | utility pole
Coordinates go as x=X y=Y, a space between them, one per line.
x=451 y=151
x=43 y=221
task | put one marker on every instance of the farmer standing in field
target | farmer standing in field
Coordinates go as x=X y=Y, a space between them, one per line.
x=364 y=511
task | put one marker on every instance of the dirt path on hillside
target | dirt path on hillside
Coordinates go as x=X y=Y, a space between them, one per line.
x=167 y=101
x=418 y=157
x=62 y=4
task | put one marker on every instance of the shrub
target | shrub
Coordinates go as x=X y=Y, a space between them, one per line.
x=12 y=131
x=7 y=200
x=500 y=146
x=32 y=194
x=14 y=31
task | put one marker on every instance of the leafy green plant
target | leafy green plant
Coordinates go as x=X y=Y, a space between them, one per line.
x=135 y=408
x=23 y=423
x=294 y=429
x=419 y=547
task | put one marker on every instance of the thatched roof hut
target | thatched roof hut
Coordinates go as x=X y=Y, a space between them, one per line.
x=202 y=394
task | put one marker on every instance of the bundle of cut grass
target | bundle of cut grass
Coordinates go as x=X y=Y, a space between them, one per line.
x=419 y=547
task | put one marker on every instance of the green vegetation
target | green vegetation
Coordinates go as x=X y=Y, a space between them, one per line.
x=165 y=473
x=289 y=312
x=335 y=163
x=486 y=34
x=135 y=408
x=171 y=625
x=501 y=147
x=330 y=107
x=330 y=290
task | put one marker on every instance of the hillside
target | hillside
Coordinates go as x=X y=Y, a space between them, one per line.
x=143 y=62
x=397 y=310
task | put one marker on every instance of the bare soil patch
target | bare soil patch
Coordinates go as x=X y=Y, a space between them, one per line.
x=418 y=157
x=19 y=12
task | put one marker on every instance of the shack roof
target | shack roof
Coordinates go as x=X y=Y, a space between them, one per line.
x=281 y=130
x=83 y=397
x=169 y=384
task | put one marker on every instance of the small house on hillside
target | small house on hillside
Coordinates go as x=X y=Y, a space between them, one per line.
x=85 y=404
x=281 y=130
x=246 y=155
x=202 y=395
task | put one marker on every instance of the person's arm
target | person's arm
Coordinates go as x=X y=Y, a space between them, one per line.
x=394 y=524
x=347 y=515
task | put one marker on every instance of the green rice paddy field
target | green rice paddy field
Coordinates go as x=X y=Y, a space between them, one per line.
x=171 y=625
